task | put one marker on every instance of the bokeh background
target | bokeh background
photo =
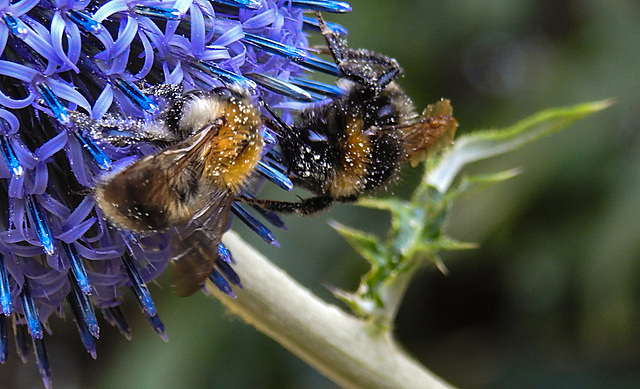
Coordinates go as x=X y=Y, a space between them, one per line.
x=550 y=299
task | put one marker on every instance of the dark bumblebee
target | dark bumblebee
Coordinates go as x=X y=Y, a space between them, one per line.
x=189 y=186
x=357 y=143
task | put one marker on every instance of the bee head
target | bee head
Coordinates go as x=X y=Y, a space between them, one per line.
x=202 y=108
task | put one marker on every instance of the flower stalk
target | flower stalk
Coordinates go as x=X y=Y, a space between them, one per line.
x=80 y=81
x=359 y=350
x=352 y=352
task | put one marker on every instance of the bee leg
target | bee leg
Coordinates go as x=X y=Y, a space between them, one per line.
x=303 y=207
x=277 y=124
x=119 y=132
x=169 y=92
x=170 y=98
x=371 y=69
x=335 y=43
x=123 y=131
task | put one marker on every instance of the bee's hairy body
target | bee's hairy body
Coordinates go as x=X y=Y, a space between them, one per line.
x=212 y=142
x=172 y=187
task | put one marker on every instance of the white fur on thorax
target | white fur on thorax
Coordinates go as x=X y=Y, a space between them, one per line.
x=200 y=112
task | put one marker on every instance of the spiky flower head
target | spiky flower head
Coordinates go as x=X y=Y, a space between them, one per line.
x=57 y=253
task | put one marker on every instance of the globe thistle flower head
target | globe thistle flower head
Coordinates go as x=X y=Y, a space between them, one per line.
x=67 y=64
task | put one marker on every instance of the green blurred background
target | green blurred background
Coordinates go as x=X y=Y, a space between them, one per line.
x=551 y=299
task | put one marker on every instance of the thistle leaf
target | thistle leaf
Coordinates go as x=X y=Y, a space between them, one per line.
x=469 y=183
x=416 y=234
x=488 y=143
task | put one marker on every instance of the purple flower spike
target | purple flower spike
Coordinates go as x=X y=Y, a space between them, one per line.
x=222 y=284
x=56 y=107
x=224 y=254
x=139 y=288
x=317 y=87
x=84 y=21
x=98 y=155
x=323 y=5
x=254 y=224
x=275 y=176
x=10 y=157
x=37 y=219
x=23 y=342
x=274 y=47
x=4 y=347
x=80 y=278
x=5 y=292
x=158 y=12
x=281 y=87
x=228 y=272
x=116 y=318
x=79 y=84
x=246 y=4
x=31 y=314
x=158 y=327
x=138 y=98
x=43 y=362
x=86 y=334
x=315 y=63
x=311 y=24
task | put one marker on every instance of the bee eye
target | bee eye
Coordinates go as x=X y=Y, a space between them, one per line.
x=315 y=137
x=386 y=114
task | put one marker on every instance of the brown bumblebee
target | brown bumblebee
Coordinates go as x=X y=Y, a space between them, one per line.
x=356 y=143
x=190 y=185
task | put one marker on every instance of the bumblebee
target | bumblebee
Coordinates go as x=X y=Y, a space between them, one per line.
x=215 y=143
x=356 y=143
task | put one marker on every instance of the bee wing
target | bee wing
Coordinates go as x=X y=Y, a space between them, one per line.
x=158 y=191
x=424 y=135
x=195 y=250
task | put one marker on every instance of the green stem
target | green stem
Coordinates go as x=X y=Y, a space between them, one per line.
x=351 y=352
x=393 y=294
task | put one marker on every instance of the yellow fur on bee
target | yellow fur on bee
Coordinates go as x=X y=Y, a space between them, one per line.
x=233 y=155
x=356 y=149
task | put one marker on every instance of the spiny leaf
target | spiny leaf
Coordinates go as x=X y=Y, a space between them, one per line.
x=383 y=204
x=444 y=243
x=488 y=143
x=468 y=183
x=366 y=245
x=416 y=234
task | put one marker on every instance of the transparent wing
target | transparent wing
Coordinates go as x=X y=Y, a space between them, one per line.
x=195 y=250
x=159 y=191
x=425 y=135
